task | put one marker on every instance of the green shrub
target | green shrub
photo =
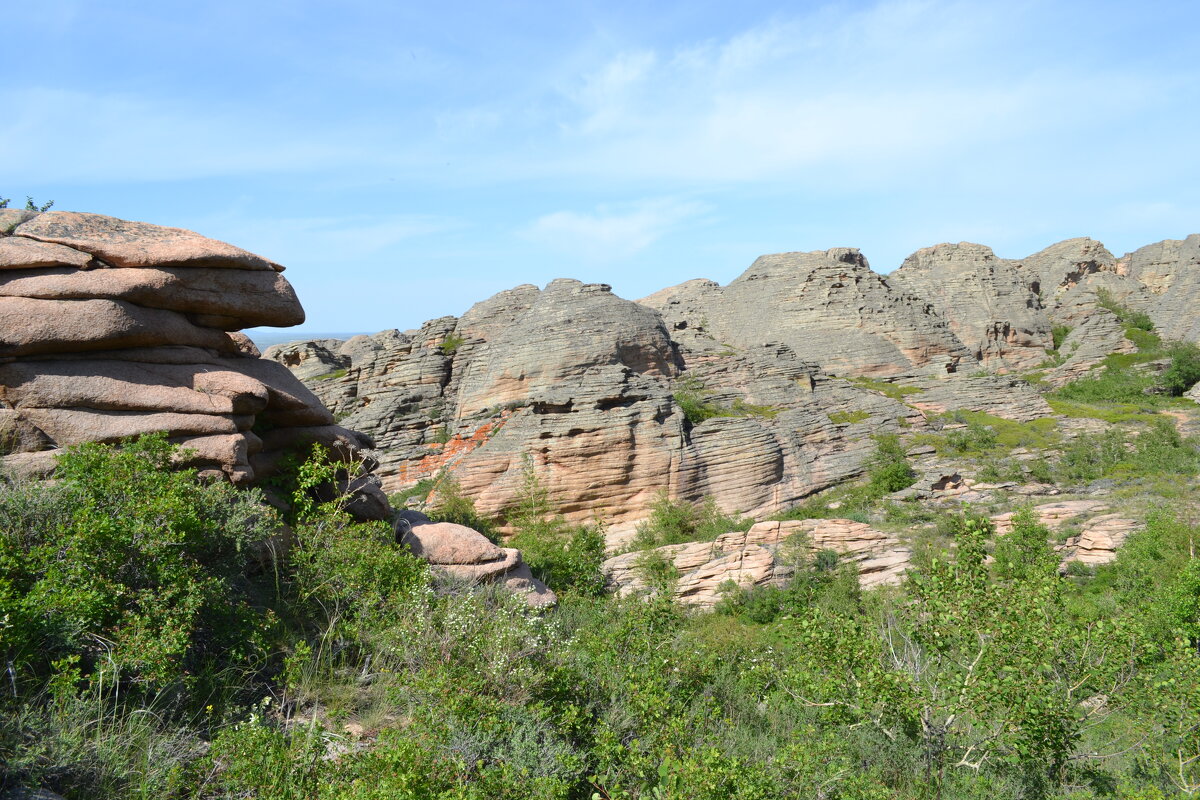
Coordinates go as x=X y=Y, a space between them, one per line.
x=1184 y=370
x=892 y=390
x=675 y=522
x=888 y=469
x=1060 y=333
x=1025 y=552
x=451 y=343
x=128 y=562
x=848 y=417
x=451 y=505
x=563 y=556
x=1134 y=319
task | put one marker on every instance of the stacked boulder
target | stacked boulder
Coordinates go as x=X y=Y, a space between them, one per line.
x=111 y=329
x=464 y=554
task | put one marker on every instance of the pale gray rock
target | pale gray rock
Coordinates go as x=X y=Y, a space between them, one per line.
x=988 y=305
x=998 y=395
x=828 y=307
x=1087 y=345
x=1170 y=271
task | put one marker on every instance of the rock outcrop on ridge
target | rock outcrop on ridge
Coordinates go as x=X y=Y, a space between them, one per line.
x=827 y=306
x=111 y=328
x=585 y=384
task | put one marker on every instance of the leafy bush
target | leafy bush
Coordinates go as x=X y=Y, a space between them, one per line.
x=1184 y=370
x=888 y=470
x=1060 y=333
x=128 y=563
x=451 y=505
x=675 y=522
x=565 y=557
x=1025 y=552
x=451 y=343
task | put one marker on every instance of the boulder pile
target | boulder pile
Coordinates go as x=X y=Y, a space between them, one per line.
x=111 y=328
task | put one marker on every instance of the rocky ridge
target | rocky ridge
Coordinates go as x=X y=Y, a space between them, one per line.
x=793 y=367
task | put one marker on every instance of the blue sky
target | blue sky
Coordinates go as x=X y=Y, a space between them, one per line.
x=405 y=160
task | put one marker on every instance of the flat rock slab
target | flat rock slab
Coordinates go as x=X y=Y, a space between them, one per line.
x=17 y=252
x=123 y=243
x=1052 y=515
x=1101 y=538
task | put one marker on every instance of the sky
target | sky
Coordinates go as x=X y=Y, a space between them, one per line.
x=405 y=160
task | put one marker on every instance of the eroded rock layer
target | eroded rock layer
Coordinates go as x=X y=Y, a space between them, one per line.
x=111 y=328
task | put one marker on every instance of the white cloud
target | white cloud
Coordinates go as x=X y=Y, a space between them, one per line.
x=612 y=232
x=881 y=92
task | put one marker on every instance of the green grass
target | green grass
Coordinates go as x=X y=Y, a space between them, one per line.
x=892 y=390
x=848 y=417
x=1108 y=412
x=329 y=376
x=693 y=398
x=990 y=435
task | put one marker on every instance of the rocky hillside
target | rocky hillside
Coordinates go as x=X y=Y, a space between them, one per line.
x=757 y=394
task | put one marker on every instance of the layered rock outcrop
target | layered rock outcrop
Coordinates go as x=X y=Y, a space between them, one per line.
x=757 y=393
x=111 y=328
x=827 y=306
x=989 y=306
x=584 y=383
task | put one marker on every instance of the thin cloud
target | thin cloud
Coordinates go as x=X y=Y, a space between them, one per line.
x=612 y=232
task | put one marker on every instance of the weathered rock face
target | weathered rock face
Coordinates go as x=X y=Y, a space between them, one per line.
x=591 y=387
x=827 y=306
x=1058 y=269
x=111 y=329
x=1088 y=344
x=1170 y=271
x=764 y=556
x=990 y=307
x=583 y=382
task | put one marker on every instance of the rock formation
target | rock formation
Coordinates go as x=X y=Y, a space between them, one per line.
x=758 y=393
x=110 y=328
x=827 y=306
x=584 y=382
x=765 y=555
x=466 y=555
x=989 y=306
